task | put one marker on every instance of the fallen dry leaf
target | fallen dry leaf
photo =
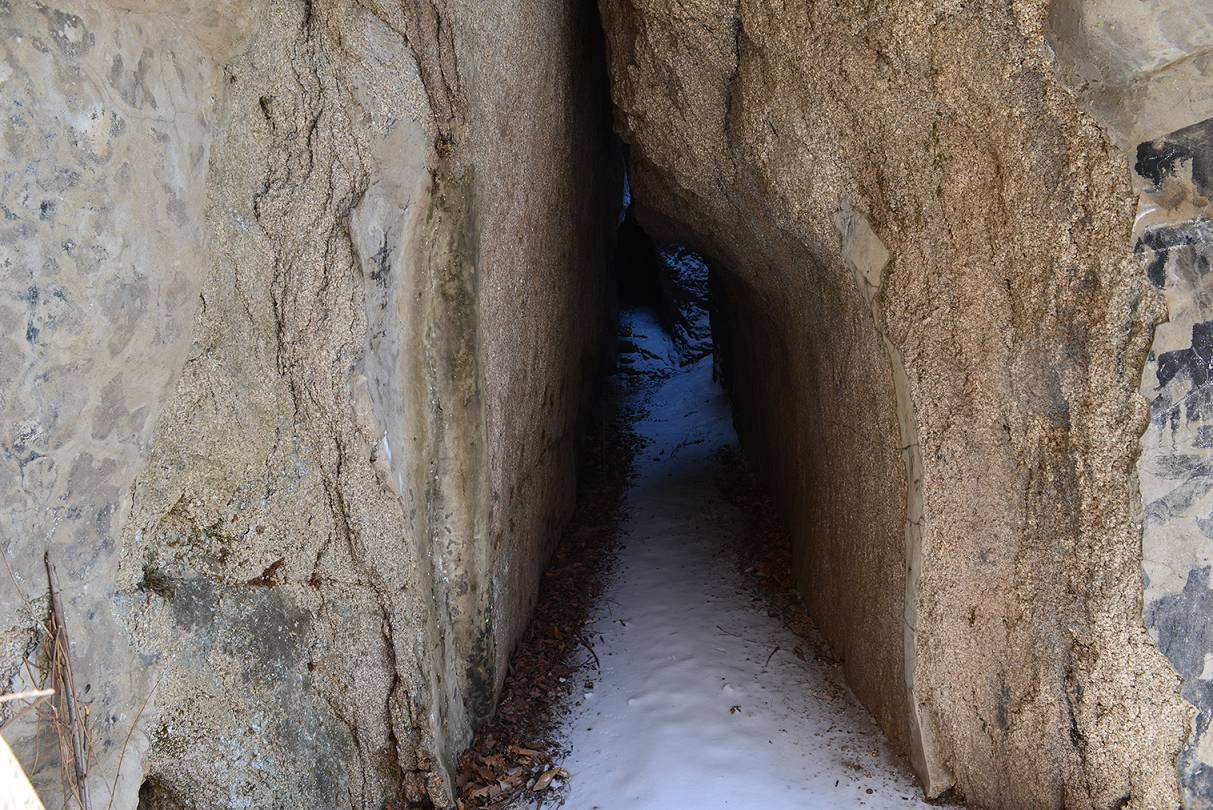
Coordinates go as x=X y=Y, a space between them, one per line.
x=525 y=752
x=545 y=778
x=521 y=741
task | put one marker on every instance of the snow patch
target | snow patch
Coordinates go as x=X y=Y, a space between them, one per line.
x=700 y=702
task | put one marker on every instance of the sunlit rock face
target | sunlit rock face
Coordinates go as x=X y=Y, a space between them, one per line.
x=1175 y=243
x=936 y=324
x=1142 y=70
x=300 y=302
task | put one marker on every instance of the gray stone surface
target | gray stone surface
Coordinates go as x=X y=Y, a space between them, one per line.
x=683 y=282
x=300 y=306
x=107 y=136
x=1142 y=68
x=1175 y=243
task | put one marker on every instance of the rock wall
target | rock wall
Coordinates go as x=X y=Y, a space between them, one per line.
x=107 y=139
x=1143 y=72
x=301 y=299
x=1141 y=69
x=1175 y=241
x=301 y=303
x=936 y=327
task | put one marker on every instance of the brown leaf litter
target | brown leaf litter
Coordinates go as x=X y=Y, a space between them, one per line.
x=513 y=760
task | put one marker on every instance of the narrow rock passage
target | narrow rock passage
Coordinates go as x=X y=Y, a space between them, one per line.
x=700 y=701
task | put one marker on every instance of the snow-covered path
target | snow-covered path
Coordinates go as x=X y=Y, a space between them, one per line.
x=687 y=711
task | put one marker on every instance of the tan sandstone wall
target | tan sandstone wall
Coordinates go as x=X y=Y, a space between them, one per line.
x=936 y=329
x=281 y=290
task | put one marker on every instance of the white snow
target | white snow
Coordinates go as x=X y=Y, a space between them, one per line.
x=686 y=712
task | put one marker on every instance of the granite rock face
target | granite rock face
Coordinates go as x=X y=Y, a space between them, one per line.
x=1175 y=243
x=301 y=302
x=922 y=220
x=1141 y=68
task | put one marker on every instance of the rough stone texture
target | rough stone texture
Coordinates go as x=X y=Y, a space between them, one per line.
x=106 y=141
x=300 y=302
x=1007 y=652
x=1142 y=68
x=1175 y=241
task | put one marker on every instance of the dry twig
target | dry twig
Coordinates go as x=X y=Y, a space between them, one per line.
x=586 y=644
x=71 y=725
x=769 y=657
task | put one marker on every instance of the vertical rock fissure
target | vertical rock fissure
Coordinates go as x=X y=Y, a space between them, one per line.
x=423 y=26
x=302 y=307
